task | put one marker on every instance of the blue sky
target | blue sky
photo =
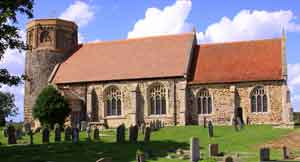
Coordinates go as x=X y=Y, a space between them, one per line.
x=101 y=20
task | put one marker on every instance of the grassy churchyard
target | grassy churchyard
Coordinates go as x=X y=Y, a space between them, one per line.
x=245 y=144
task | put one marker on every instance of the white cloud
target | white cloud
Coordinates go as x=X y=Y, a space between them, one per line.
x=250 y=25
x=294 y=84
x=80 y=12
x=170 y=20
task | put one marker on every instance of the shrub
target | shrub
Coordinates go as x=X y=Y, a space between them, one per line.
x=50 y=107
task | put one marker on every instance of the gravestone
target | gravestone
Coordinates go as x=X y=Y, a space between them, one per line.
x=46 y=135
x=19 y=133
x=210 y=129
x=235 y=124
x=213 y=149
x=120 y=133
x=133 y=133
x=142 y=128
x=264 y=154
x=96 y=134
x=57 y=131
x=88 y=132
x=285 y=153
x=11 y=133
x=84 y=125
x=27 y=128
x=204 y=122
x=31 y=137
x=147 y=134
x=140 y=156
x=240 y=123
x=68 y=133
x=75 y=135
x=228 y=159
x=194 y=150
x=5 y=132
x=248 y=121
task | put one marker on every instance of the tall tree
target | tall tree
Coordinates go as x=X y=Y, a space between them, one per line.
x=9 y=35
x=7 y=106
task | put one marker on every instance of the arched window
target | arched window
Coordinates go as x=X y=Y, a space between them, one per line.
x=204 y=102
x=157 y=100
x=259 y=100
x=113 y=102
x=45 y=37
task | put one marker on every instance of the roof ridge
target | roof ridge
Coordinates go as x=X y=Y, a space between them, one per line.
x=240 y=41
x=137 y=38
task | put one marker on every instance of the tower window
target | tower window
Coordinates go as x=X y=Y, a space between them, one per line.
x=45 y=37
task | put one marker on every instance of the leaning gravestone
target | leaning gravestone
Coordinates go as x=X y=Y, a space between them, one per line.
x=57 y=133
x=46 y=135
x=75 y=135
x=228 y=159
x=121 y=133
x=68 y=133
x=142 y=128
x=194 y=150
x=213 y=149
x=210 y=129
x=264 y=154
x=147 y=134
x=133 y=133
x=96 y=134
x=11 y=133
x=240 y=123
x=140 y=156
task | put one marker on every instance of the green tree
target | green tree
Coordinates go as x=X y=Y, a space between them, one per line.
x=50 y=107
x=9 y=35
x=7 y=106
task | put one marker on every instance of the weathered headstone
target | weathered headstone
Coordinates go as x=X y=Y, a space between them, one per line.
x=84 y=125
x=88 y=132
x=11 y=133
x=27 y=127
x=147 y=134
x=194 y=150
x=264 y=154
x=210 y=129
x=285 y=153
x=235 y=124
x=96 y=134
x=133 y=133
x=228 y=159
x=19 y=133
x=142 y=128
x=213 y=149
x=140 y=156
x=46 y=135
x=75 y=135
x=57 y=131
x=120 y=133
x=68 y=133
x=204 y=122
x=248 y=121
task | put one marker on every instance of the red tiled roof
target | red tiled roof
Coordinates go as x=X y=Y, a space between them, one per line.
x=238 y=61
x=150 y=57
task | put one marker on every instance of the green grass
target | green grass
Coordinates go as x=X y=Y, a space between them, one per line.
x=246 y=141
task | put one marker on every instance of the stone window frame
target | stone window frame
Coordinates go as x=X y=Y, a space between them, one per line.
x=120 y=97
x=208 y=96
x=42 y=34
x=266 y=93
x=149 y=99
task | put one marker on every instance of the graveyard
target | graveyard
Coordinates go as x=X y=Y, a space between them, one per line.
x=169 y=144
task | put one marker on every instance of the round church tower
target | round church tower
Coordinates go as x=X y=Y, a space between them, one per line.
x=51 y=42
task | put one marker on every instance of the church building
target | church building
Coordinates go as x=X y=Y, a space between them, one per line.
x=170 y=78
